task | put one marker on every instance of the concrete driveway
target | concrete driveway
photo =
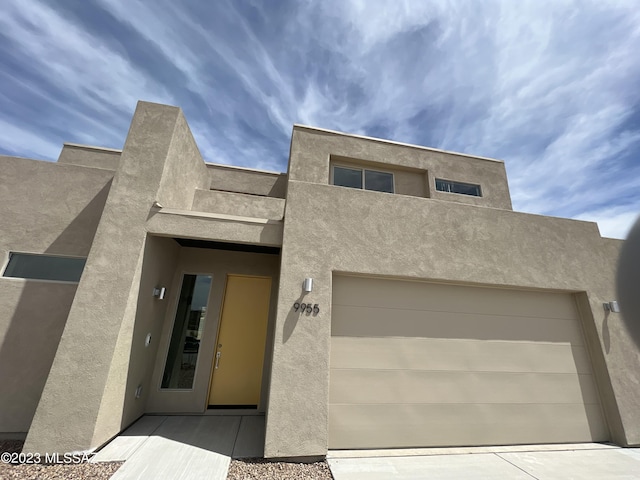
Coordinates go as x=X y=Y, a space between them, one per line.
x=543 y=462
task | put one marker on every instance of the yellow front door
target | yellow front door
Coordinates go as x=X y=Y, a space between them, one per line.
x=236 y=377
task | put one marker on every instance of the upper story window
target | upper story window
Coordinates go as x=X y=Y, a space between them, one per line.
x=44 y=267
x=458 y=187
x=363 y=178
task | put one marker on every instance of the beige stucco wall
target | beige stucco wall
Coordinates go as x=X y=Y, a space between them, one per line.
x=311 y=150
x=226 y=228
x=43 y=211
x=94 y=393
x=87 y=156
x=158 y=268
x=32 y=316
x=240 y=204
x=50 y=207
x=332 y=229
x=243 y=180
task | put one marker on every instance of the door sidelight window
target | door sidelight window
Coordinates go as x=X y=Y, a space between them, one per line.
x=188 y=326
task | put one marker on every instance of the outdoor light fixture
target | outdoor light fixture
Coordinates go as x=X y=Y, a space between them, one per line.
x=159 y=292
x=611 y=307
x=307 y=285
x=156 y=204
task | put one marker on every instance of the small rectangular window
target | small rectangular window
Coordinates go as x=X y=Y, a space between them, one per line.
x=44 y=267
x=458 y=187
x=363 y=179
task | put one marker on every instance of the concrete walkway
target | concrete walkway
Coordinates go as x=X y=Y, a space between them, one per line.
x=195 y=447
x=184 y=447
x=540 y=462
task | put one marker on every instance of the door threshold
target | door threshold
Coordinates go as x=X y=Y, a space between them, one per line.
x=232 y=407
x=233 y=411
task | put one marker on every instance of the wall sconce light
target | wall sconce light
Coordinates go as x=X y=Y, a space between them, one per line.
x=611 y=307
x=156 y=204
x=139 y=391
x=307 y=285
x=159 y=292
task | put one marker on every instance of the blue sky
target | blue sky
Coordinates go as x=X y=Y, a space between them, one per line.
x=550 y=87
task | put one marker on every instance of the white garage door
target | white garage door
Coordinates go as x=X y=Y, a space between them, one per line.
x=417 y=364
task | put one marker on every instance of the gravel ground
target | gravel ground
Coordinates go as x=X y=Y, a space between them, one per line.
x=97 y=471
x=258 y=469
x=246 y=469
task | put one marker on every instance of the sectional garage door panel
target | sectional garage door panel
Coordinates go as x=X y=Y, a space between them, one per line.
x=416 y=364
x=397 y=294
x=363 y=321
x=351 y=387
x=456 y=355
x=419 y=425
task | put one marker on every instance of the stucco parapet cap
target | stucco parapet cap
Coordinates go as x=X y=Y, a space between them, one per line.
x=219 y=216
x=56 y=164
x=245 y=169
x=91 y=147
x=391 y=142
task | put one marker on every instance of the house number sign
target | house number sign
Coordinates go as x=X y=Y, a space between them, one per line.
x=306 y=308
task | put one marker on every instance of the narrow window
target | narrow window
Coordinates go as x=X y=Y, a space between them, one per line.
x=188 y=325
x=458 y=187
x=44 y=267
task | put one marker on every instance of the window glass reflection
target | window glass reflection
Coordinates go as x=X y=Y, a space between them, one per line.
x=378 y=181
x=188 y=325
x=347 y=177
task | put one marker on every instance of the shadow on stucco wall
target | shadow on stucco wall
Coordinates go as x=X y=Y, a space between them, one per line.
x=77 y=237
x=295 y=315
x=36 y=321
x=29 y=347
x=159 y=264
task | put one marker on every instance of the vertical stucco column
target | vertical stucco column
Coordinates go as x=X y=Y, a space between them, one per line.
x=298 y=415
x=81 y=405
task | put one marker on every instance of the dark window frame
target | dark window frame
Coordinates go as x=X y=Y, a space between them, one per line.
x=459 y=188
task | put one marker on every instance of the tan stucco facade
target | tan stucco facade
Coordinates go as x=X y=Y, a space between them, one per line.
x=145 y=215
x=433 y=239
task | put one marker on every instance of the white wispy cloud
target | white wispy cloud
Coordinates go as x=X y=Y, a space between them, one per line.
x=67 y=59
x=614 y=222
x=550 y=87
x=24 y=142
x=546 y=86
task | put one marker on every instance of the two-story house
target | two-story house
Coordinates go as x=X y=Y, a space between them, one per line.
x=377 y=295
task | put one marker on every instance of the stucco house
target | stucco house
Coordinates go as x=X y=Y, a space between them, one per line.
x=377 y=295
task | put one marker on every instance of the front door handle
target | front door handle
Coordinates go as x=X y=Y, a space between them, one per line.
x=218 y=355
